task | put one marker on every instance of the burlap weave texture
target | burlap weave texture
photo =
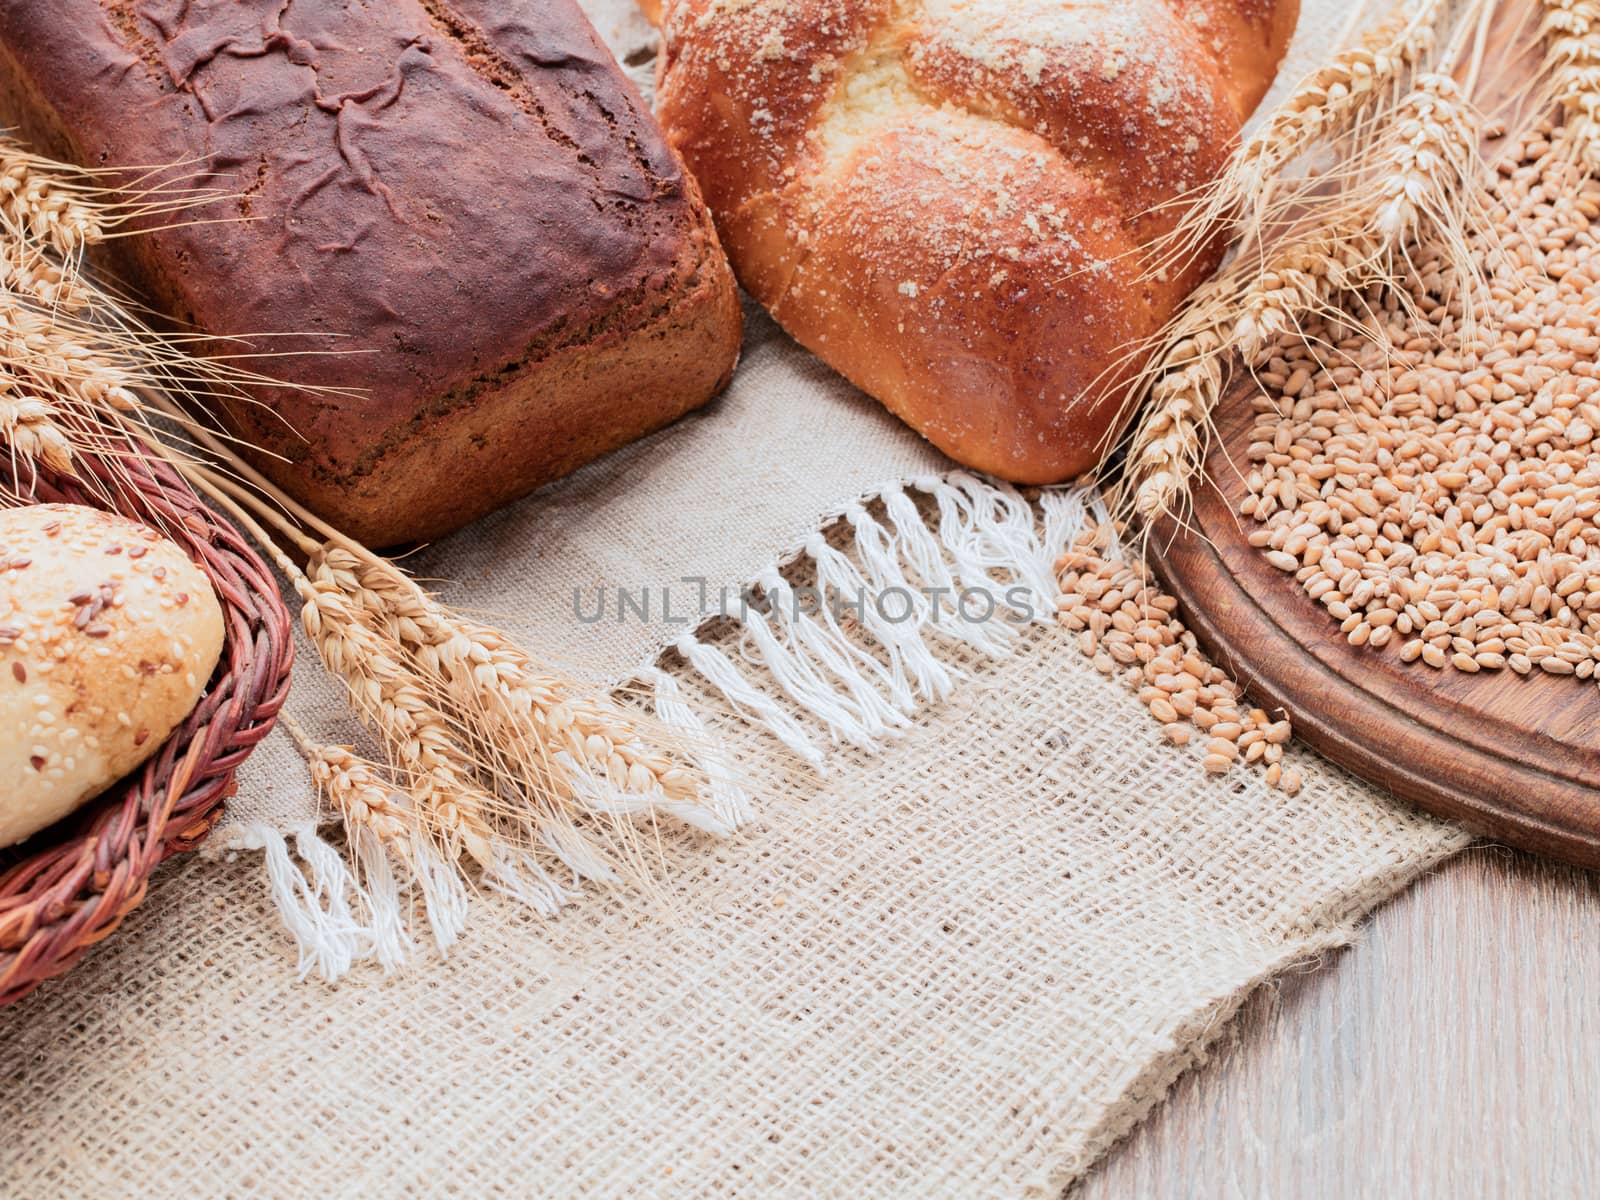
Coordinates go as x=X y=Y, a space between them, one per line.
x=959 y=968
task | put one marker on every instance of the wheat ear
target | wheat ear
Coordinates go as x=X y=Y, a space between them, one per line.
x=66 y=209
x=1331 y=103
x=551 y=730
x=386 y=696
x=69 y=358
x=53 y=383
x=358 y=791
x=31 y=431
x=1431 y=169
x=41 y=204
x=1571 y=32
x=1169 y=443
x=378 y=815
x=501 y=757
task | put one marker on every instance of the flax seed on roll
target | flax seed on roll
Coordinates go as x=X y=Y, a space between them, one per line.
x=108 y=637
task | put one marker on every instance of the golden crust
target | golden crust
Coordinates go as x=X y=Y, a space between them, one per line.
x=947 y=200
x=108 y=637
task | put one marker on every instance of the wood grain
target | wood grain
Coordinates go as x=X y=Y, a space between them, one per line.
x=1513 y=757
x=1454 y=1051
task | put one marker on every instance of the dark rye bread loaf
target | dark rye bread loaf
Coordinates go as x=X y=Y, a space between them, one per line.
x=467 y=202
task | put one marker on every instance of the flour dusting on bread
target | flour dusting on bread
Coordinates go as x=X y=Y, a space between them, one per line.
x=951 y=200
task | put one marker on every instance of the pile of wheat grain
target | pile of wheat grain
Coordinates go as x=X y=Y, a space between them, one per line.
x=1130 y=629
x=1435 y=485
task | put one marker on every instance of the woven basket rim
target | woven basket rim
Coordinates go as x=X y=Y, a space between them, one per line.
x=71 y=885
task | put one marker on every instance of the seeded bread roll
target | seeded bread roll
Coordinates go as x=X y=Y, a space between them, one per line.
x=948 y=200
x=108 y=637
x=463 y=202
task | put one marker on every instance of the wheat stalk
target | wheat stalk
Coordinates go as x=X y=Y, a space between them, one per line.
x=1418 y=181
x=415 y=734
x=39 y=202
x=487 y=756
x=501 y=758
x=1335 y=103
x=1571 y=32
x=522 y=709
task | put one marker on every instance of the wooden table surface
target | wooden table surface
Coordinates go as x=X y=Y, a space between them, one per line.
x=1453 y=1052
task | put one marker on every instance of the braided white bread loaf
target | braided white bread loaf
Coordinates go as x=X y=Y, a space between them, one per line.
x=946 y=199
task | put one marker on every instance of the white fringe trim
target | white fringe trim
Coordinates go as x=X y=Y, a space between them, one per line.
x=753 y=705
x=839 y=669
x=729 y=801
x=861 y=686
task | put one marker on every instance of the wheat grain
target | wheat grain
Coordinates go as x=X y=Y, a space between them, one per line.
x=1129 y=628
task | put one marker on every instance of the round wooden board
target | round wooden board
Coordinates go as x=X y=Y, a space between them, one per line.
x=1515 y=758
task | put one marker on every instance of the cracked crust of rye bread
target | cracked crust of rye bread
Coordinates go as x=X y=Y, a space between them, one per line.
x=486 y=266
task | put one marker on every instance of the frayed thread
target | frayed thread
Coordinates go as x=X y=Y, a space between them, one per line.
x=845 y=660
x=345 y=908
x=849 y=658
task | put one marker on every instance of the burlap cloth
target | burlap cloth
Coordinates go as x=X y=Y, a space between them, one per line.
x=960 y=963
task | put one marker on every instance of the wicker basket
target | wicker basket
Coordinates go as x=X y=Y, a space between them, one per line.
x=70 y=885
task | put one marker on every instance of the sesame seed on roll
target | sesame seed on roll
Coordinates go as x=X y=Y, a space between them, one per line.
x=108 y=637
